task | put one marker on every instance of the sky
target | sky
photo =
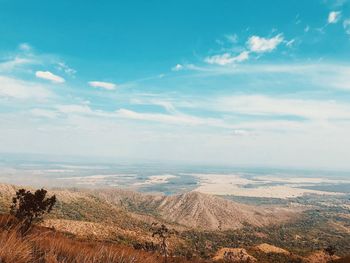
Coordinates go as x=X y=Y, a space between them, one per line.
x=245 y=82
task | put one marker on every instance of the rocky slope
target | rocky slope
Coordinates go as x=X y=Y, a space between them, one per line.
x=209 y=212
x=132 y=209
x=198 y=210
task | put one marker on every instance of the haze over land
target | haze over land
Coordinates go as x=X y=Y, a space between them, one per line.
x=171 y=178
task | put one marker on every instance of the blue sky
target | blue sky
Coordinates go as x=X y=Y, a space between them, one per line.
x=219 y=82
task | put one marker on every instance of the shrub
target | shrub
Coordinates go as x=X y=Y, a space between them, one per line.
x=29 y=208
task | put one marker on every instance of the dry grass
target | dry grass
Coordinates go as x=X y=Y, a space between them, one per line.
x=43 y=245
x=48 y=247
x=14 y=249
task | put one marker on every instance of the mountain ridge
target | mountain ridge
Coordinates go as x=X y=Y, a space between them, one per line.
x=188 y=210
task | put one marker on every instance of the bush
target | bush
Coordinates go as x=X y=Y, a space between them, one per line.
x=29 y=208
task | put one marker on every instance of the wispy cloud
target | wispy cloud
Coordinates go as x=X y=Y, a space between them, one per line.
x=177 y=67
x=227 y=58
x=13 y=88
x=336 y=3
x=65 y=68
x=159 y=117
x=232 y=38
x=222 y=59
x=177 y=119
x=44 y=113
x=74 y=108
x=16 y=62
x=47 y=75
x=25 y=47
x=346 y=25
x=260 y=44
x=255 y=44
x=259 y=105
x=103 y=85
x=317 y=75
x=334 y=17
x=290 y=43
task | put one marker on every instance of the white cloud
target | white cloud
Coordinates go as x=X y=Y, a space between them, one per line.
x=222 y=59
x=74 y=108
x=260 y=45
x=275 y=106
x=346 y=25
x=103 y=85
x=254 y=141
x=290 y=43
x=233 y=38
x=177 y=67
x=174 y=119
x=49 y=76
x=336 y=3
x=71 y=110
x=168 y=106
x=226 y=58
x=255 y=44
x=50 y=114
x=64 y=67
x=13 y=88
x=14 y=63
x=334 y=17
x=314 y=145
x=241 y=57
x=24 y=47
x=238 y=132
x=320 y=75
x=159 y=117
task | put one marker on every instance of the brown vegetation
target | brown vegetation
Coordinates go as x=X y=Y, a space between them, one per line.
x=48 y=246
x=234 y=255
x=131 y=209
x=43 y=245
x=115 y=226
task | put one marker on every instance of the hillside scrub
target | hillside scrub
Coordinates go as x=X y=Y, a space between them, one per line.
x=47 y=247
x=44 y=245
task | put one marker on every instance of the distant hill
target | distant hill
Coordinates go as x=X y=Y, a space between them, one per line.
x=209 y=212
x=132 y=209
x=197 y=210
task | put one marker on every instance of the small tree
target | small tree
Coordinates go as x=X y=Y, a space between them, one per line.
x=29 y=208
x=163 y=233
x=330 y=250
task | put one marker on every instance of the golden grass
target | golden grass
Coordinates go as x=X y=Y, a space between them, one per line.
x=48 y=247
x=44 y=245
x=14 y=249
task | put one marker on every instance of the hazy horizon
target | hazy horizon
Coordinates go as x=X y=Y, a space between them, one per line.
x=22 y=158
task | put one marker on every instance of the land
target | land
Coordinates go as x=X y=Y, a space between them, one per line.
x=208 y=227
x=264 y=186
